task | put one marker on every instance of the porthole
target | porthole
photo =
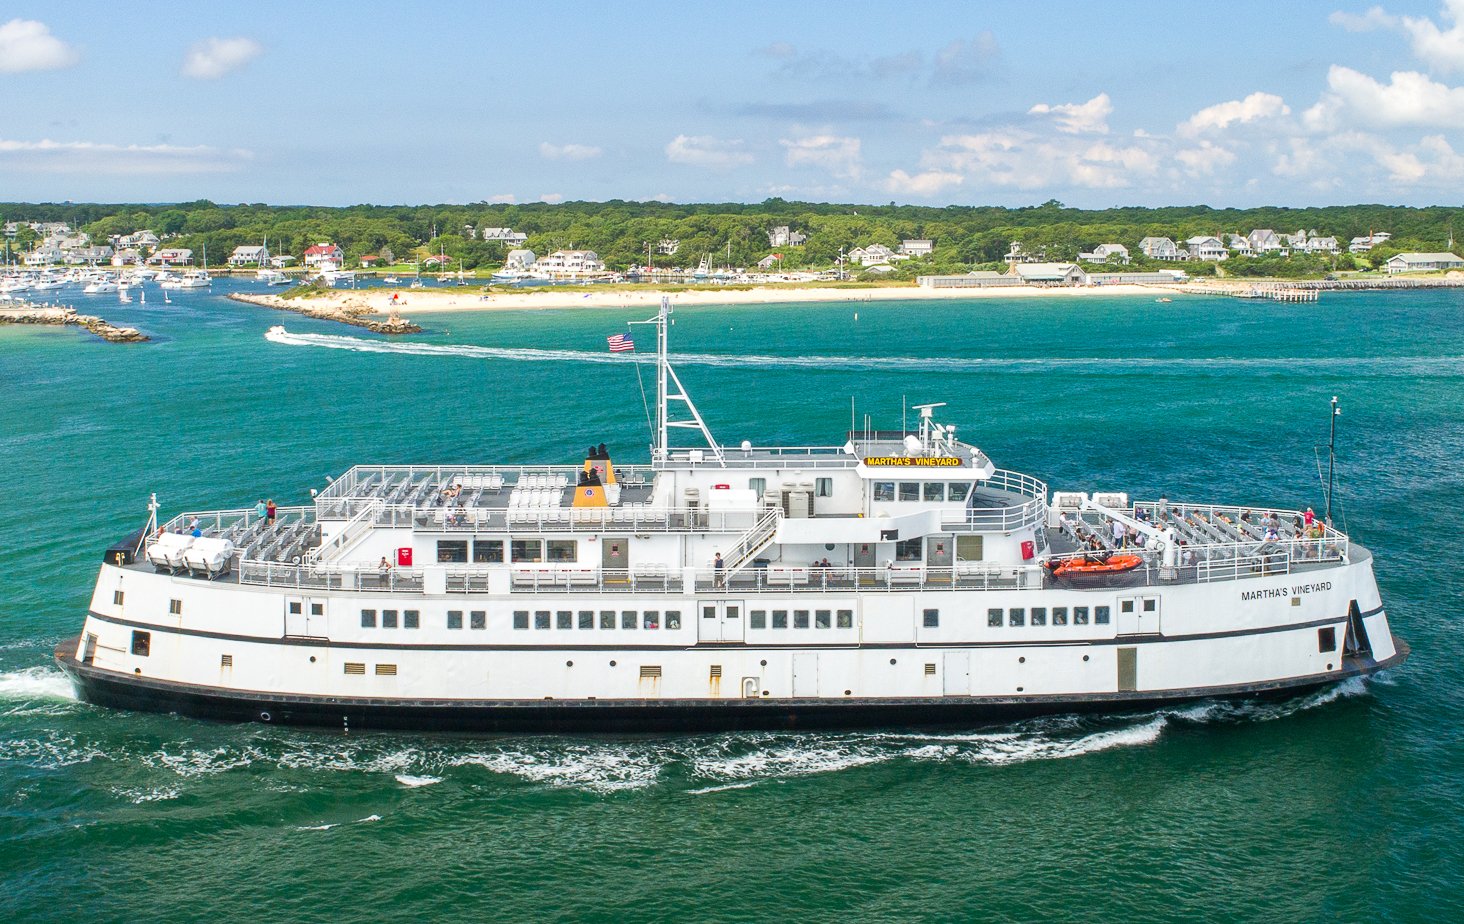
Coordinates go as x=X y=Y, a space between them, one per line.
x=312 y=659
x=1329 y=667
x=851 y=692
x=1085 y=657
x=1020 y=689
x=569 y=664
x=892 y=660
x=612 y=663
x=1022 y=660
x=763 y=663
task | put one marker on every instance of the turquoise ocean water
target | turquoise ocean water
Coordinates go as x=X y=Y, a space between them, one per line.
x=1341 y=805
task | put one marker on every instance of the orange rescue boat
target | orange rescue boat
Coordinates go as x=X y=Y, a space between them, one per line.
x=1113 y=564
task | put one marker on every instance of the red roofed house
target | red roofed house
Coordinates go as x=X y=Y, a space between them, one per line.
x=369 y=260
x=324 y=253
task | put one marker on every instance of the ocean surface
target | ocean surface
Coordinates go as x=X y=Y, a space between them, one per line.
x=1341 y=805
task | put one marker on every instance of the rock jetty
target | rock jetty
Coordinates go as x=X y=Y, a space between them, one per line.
x=352 y=311
x=67 y=317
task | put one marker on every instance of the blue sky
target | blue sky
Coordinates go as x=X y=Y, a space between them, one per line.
x=1234 y=104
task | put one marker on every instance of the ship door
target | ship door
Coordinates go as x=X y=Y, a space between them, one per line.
x=864 y=560
x=720 y=622
x=304 y=617
x=1138 y=615
x=805 y=674
x=614 y=557
x=957 y=678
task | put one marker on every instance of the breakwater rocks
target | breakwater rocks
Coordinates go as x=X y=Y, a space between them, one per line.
x=67 y=317
x=348 y=312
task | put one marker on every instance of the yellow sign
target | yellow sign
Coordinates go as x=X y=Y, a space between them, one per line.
x=900 y=462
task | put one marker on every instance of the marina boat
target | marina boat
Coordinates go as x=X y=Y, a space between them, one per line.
x=391 y=280
x=102 y=286
x=272 y=277
x=192 y=279
x=894 y=577
x=48 y=283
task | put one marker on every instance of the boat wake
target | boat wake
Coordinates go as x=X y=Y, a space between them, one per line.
x=34 y=688
x=1411 y=366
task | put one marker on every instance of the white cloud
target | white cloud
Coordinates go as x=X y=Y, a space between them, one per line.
x=552 y=198
x=568 y=151
x=1025 y=160
x=48 y=156
x=503 y=199
x=28 y=45
x=1375 y=18
x=1237 y=111
x=838 y=155
x=706 y=151
x=923 y=184
x=213 y=58
x=1409 y=99
x=1205 y=159
x=1076 y=118
x=1440 y=48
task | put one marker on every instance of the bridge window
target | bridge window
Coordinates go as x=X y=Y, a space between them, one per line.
x=823 y=619
x=388 y=619
x=757 y=619
x=935 y=490
x=1080 y=615
x=368 y=619
x=909 y=490
x=958 y=490
x=1016 y=616
x=673 y=619
x=910 y=549
x=563 y=549
x=141 y=643
x=541 y=619
x=587 y=619
x=479 y=620
x=1100 y=615
x=993 y=617
x=652 y=619
x=800 y=619
x=607 y=619
x=488 y=551
x=823 y=487
x=527 y=549
x=846 y=619
x=931 y=619
x=520 y=619
x=780 y=619
x=411 y=619
x=627 y=619
x=452 y=550
x=1039 y=615
x=564 y=619
x=884 y=490
x=1059 y=615
x=454 y=619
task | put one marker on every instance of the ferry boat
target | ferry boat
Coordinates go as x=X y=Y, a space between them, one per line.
x=894 y=578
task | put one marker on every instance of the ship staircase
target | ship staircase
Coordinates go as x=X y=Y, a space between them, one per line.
x=752 y=543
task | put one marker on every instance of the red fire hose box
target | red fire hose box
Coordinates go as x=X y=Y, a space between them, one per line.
x=1028 y=550
x=404 y=557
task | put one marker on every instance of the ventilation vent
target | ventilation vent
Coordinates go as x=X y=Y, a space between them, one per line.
x=930 y=670
x=386 y=670
x=226 y=660
x=355 y=667
x=716 y=670
x=650 y=670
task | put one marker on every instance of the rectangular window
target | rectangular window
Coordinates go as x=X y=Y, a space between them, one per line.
x=141 y=643
x=564 y=619
x=607 y=619
x=800 y=619
x=1327 y=639
x=651 y=619
x=1100 y=615
x=1059 y=615
x=970 y=548
x=1080 y=615
x=1150 y=604
x=780 y=619
x=587 y=619
x=527 y=549
x=411 y=619
x=317 y=609
x=1126 y=606
x=388 y=619
x=823 y=619
x=454 y=619
x=488 y=551
x=758 y=485
x=175 y=607
x=355 y=667
x=478 y=619
x=823 y=487
x=931 y=619
x=627 y=619
x=910 y=549
x=757 y=619
x=993 y=616
x=909 y=490
x=452 y=550
x=117 y=598
x=1016 y=616
x=295 y=608
x=846 y=619
x=884 y=490
x=368 y=619
x=935 y=490
x=541 y=619
x=958 y=490
x=1039 y=615
x=563 y=549
x=673 y=619
x=520 y=619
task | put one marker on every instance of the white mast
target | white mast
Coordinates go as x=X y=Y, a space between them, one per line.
x=668 y=389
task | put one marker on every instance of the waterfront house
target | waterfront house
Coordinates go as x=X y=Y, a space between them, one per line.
x=917 y=247
x=281 y=261
x=44 y=256
x=1264 y=241
x=519 y=259
x=1364 y=244
x=171 y=256
x=1105 y=253
x=1240 y=245
x=1423 y=262
x=1015 y=254
x=324 y=252
x=1159 y=248
x=80 y=256
x=438 y=259
x=784 y=236
x=874 y=255
x=129 y=256
x=1050 y=274
x=1204 y=247
x=768 y=262
x=571 y=263
x=249 y=254
x=1316 y=244
x=503 y=235
x=369 y=260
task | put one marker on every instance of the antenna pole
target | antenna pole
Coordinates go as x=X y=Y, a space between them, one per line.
x=1332 y=457
x=661 y=365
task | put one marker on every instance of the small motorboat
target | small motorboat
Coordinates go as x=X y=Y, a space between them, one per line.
x=1093 y=569
x=1164 y=301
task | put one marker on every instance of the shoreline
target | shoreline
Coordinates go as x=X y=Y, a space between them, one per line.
x=26 y=314
x=342 y=310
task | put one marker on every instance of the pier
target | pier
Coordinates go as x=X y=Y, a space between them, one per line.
x=1276 y=292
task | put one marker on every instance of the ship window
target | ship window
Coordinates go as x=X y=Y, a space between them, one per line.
x=117 y=597
x=935 y=490
x=368 y=619
x=317 y=609
x=564 y=619
x=627 y=619
x=846 y=619
x=355 y=667
x=388 y=619
x=757 y=619
x=931 y=619
x=800 y=619
x=1100 y=615
x=884 y=490
x=909 y=549
x=141 y=643
x=1059 y=615
x=295 y=608
x=823 y=619
x=563 y=550
x=175 y=607
x=1080 y=615
x=489 y=551
x=823 y=487
x=1039 y=615
x=411 y=619
x=527 y=549
x=673 y=619
x=1016 y=616
x=454 y=619
x=452 y=550
x=970 y=548
x=993 y=616
x=386 y=670
x=1327 y=639
x=757 y=484
x=587 y=619
x=520 y=619
x=1149 y=604
x=607 y=619
x=478 y=619
x=1126 y=606
x=780 y=619
x=541 y=619
x=652 y=619
x=909 y=490
x=958 y=490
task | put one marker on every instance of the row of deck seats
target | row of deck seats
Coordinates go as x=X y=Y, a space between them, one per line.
x=536 y=497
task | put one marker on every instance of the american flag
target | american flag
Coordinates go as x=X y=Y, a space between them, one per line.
x=620 y=343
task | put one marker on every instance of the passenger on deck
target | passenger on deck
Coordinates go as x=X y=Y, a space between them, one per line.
x=717 y=568
x=1245 y=516
x=1120 y=534
x=383 y=571
x=259 y=509
x=269 y=512
x=1309 y=518
x=1163 y=507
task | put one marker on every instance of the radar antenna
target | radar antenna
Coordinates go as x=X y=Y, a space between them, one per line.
x=669 y=389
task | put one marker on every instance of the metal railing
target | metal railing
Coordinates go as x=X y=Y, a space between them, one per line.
x=438 y=476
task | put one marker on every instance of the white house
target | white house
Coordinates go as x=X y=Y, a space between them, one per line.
x=249 y=254
x=1316 y=244
x=571 y=263
x=1105 y=253
x=1423 y=262
x=280 y=261
x=504 y=235
x=518 y=260
x=1240 y=245
x=324 y=252
x=874 y=255
x=96 y=254
x=784 y=236
x=44 y=256
x=768 y=262
x=1159 y=248
x=129 y=256
x=172 y=256
x=1207 y=248
x=917 y=247
x=1264 y=241
x=1364 y=244
x=1050 y=274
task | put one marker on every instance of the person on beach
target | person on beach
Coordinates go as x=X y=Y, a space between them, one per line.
x=269 y=512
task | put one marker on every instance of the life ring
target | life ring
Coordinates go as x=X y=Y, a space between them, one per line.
x=264 y=717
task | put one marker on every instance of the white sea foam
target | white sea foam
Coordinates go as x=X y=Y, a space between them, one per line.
x=368 y=818
x=197 y=762
x=32 y=683
x=412 y=782
x=317 y=827
x=601 y=769
x=723 y=788
x=139 y=795
x=49 y=753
